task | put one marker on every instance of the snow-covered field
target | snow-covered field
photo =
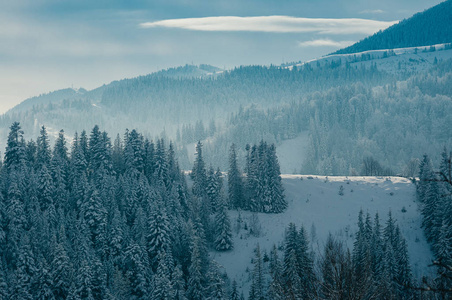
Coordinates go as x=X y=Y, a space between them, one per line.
x=315 y=203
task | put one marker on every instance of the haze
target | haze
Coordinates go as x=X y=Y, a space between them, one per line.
x=48 y=45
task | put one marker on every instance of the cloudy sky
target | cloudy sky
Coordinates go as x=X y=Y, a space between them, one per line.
x=47 y=45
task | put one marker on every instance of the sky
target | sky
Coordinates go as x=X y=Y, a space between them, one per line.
x=46 y=45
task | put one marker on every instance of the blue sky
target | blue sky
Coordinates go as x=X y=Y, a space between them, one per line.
x=47 y=45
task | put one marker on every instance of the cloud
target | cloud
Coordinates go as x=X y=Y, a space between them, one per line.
x=325 y=43
x=372 y=11
x=283 y=24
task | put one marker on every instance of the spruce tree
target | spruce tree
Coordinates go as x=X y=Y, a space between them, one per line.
x=178 y=284
x=15 y=148
x=158 y=238
x=199 y=174
x=61 y=272
x=43 y=154
x=234 y=292
x=276 y=287
x=162 y=284
x=235 y=182
x=195 y=289
x=276 y=190
x=223 y=232
x=257 y=291
x=215 y=290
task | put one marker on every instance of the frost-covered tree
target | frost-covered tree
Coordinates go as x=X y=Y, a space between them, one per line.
x=43 y=154
x=158 y=237
x=195 y=290
x=257 y=290
x=235 y=182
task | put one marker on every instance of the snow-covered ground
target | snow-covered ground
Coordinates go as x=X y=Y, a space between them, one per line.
x=315 y=203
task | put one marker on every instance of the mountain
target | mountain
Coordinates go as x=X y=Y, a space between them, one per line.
x=342 y=108
x=167 y=100
x=55 y=97
x=410 y=60
x=433 y=26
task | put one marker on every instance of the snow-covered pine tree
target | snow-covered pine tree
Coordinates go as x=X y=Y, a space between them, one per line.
x=158 y=237
x=215 y=289
x=276 y=288
x=214 y=185
x=257 y=290
x=404 y=278
x=43 y=154
x=45 y=188
x=136 y=264
x=61 y=272
x=134 y=151
x=235 y=181
x=60 y=149
x=199 y=174
x=15 y=148
x=178 y=284
x=223 y=231
x=278 y=201
x=195 y=290
x=425 y=175
x=162 y=289
x=234 y=295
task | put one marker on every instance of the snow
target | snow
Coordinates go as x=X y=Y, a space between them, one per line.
x=292 y=153
x=411 y=59
x=314 y=202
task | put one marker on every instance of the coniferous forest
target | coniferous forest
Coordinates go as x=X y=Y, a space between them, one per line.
x=117 y=220
x=92 y=219
x=321 y=178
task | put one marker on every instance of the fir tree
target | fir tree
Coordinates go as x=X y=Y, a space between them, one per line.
x=276 y=287
x=199 y=174
x=43 y=154
x=235 y=182
x=195 y=289
x=257 y=291
x=158 y=238
x=234 y=292
x=162 y=285
x=178 y=284
x=223 y=234
x=60 y=272
x=15 y=147
x=136 y=270
x=215 y=290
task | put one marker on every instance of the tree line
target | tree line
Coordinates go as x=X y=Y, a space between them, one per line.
x=434 y=192
x=376 y=268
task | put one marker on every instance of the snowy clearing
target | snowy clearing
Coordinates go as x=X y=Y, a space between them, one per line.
x=315 y=203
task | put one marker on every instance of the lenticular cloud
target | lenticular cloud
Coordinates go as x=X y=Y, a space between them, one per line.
x=283 y=24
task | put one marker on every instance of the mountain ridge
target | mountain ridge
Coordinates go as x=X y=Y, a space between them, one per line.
x=432 y=26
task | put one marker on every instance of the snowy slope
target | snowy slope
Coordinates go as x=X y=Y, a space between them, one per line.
x=411 y=59
x=316 y=204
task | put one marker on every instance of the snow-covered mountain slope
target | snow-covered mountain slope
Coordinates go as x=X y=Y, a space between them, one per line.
x=315 y=203
x=400 y=60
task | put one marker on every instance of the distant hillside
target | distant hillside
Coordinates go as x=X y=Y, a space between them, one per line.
x=190 y=71
x=52 y=97
x=433 y=26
